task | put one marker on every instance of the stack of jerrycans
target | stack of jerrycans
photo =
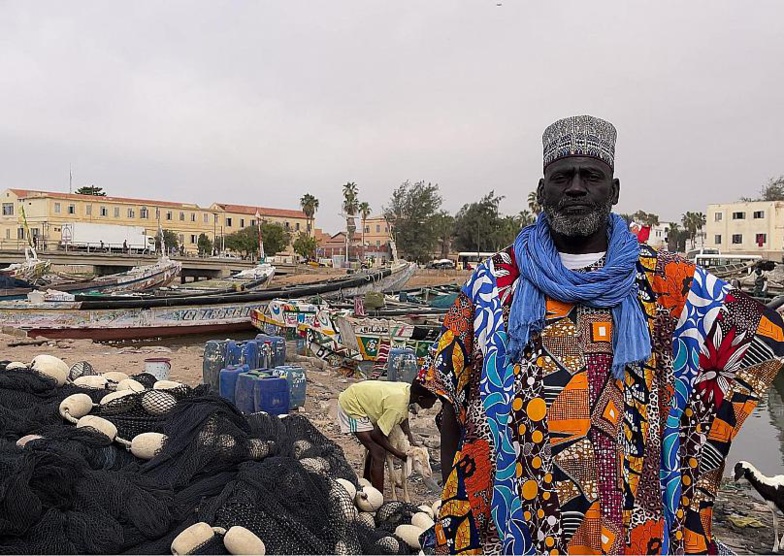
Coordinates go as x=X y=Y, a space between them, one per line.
x=265 y=389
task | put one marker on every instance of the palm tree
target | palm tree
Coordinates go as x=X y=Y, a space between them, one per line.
x=525 y=218
x=533 y=203
x=309 y=206
x=693 y=222
x=673 y=231
x=364 y=212
x=350 y=208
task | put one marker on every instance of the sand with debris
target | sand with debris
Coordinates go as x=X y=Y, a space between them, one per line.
x=741 y=519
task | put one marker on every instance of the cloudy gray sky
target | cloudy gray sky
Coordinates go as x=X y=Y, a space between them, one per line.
x=260 y=102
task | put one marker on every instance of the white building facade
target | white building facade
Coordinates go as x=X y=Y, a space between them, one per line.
x=753 y=228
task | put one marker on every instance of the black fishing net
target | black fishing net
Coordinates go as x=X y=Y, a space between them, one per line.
x=70 y=490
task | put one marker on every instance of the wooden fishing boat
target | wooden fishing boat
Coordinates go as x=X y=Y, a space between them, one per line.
x=335 y=333
x=116 y=318
x=139 y=278
x=249 y=279
x=29 y=270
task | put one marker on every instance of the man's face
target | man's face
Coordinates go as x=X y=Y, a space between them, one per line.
x=577 y=194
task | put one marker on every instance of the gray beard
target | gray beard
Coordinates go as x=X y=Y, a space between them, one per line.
x=578 y=225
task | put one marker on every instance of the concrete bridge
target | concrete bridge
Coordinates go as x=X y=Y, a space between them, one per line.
x=110 y=263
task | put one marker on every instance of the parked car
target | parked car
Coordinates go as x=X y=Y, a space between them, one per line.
x=443 y=264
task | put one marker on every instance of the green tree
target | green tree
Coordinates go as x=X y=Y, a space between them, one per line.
x=508 y=228
x=169 y=237
x=412 y=213
x=204 y=244
x=309 y=206
x=645 y=218
x=479 y=226
x=533 y=203
x=773 y=191
x=246 y=240
x=525 y=218
x=305 y=245
x=444 y=229
x=91 y=190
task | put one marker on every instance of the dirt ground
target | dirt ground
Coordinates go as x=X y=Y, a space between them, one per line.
x=741 y=520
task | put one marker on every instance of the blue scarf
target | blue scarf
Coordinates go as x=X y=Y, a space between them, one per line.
x=612 y=287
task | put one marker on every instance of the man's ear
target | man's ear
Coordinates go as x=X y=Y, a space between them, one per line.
x=616 y=190
x=539 y=189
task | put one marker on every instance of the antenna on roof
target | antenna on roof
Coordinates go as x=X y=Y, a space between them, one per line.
x=70 y=179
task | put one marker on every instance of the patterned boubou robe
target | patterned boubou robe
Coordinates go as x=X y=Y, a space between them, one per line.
x=557 y=456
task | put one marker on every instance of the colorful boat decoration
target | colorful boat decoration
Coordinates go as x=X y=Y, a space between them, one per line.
x=341 y=339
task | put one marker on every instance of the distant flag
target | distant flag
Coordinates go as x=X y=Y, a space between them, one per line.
x=642 y=232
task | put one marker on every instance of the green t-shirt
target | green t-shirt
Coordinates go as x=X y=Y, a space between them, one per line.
x=384 y=403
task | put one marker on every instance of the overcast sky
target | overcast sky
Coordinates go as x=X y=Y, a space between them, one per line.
x=261 y=102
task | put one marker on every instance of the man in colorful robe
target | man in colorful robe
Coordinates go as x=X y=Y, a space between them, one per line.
x=591 y=385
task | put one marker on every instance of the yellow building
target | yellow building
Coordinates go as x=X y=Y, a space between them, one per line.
x=47 y=211
x=376 y=237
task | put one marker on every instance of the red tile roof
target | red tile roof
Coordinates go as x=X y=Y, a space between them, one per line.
x=239 y=209
x=25 y=193
x=263 y=211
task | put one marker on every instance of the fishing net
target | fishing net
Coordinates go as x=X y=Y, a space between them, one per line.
x=70 y=490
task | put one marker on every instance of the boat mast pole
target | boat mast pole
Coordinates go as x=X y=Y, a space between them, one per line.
x=262 y=255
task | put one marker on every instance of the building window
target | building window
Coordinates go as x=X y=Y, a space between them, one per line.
x=386 y=229
x=737 y=239
x=131 y=213
x=242 y=222
x=367 y=229
x=717 y=216
x=88 y=210
x=193 y=217
x=717 y=239
x=57 y=208
x=169 y=215
x=104 y=211
x=253 y=222
x=144 y=213
x=287 y=225
x=117 y=212
x=760 y=239
x=378 y=228
x=378 y=243
x=182 y=217
x=206 y=218
x=182 y=239
x=296 y=226
x=228 y=222
x=194 y=239
x=20 y=233
x=738 y=215
x=8 y=233
x=8 y=209
x=71 y=209
x=759 y=214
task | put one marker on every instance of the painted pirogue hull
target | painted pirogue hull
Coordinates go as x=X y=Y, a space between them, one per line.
x=68 y=320
x=133 y=318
